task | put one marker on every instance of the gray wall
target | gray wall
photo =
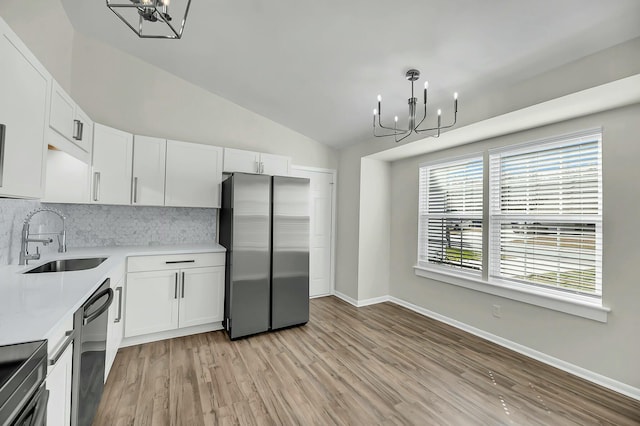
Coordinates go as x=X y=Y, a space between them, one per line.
x=608 y=65
x=609 y=349
x=98 y=226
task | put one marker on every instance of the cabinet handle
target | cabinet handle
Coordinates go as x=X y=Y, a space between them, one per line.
x=56 y=357
x=2 y=132
x=76 y=130
x=119 y=318
x=261 y=167
x=135 y=190
x=81 y=130
x=175 y=289
x=171 y=262
x=183 y=285
x=257 y=166
x=96 y=186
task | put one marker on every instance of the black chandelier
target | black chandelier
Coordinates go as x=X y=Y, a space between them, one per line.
x=150 y=18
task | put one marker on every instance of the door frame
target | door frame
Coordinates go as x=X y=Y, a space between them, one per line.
x=334 y=192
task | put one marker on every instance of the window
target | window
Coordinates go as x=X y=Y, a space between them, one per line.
x=450 y=214
x=545 y=215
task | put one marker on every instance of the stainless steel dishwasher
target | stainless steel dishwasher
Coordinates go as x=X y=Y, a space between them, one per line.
x=89 y=351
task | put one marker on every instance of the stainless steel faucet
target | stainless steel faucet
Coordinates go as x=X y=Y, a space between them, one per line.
x=25 y=257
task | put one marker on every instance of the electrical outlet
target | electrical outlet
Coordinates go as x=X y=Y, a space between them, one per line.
x=496 y=311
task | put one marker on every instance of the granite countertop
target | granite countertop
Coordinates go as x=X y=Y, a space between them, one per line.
x=33 y=305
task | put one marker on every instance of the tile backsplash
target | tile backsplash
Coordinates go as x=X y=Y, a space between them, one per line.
x=100 y=225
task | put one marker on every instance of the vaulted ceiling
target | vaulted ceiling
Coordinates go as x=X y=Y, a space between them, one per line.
x=317 y=67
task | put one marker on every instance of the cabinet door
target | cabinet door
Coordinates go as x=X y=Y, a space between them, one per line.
x=83 y=130
x=112 y=156
x=115 y=327
x=237 y=160
x=23 y=102
x=201 y=296
x=151 y=302
x=149 y=156
x=62 y=112
x=275 y=165
x=68 y=179
x=59 y=386
x=194 y=174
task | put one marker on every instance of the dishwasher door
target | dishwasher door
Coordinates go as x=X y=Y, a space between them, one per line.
x=89 y=353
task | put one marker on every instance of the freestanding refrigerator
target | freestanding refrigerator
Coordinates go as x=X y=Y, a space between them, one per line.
x=264 y=225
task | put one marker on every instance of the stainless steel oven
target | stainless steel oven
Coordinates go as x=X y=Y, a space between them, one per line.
x=89 y=351
x=23 y=397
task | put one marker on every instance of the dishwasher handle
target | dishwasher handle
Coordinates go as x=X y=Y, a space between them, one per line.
x=88 y=318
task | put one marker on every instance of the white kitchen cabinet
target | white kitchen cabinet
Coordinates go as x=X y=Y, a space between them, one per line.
x=59 y=373
x=115 y=326
x=193 y=175
x=238 y=160
x=68 y=119
x=24 y=93
x=201 y=295
x=149 y=160
x=276 y=165
x=112 y=162
x=189 y=294
x=59 y=386
x=68 y=178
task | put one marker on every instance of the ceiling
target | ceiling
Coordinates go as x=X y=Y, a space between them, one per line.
x=317 y=66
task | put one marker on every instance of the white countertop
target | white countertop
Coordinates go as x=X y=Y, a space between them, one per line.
x=33 y=305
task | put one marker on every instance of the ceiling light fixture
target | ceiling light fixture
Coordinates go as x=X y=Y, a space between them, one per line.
x=413 y=75
x=149 y=18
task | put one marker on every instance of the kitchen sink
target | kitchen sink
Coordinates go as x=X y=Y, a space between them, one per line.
x=64 y=265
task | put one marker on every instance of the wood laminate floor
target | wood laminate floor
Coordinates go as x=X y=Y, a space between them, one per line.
x=381 y=364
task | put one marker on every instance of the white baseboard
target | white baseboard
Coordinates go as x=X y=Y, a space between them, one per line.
x=181 y=332
x=346 y=298
x=599 y=379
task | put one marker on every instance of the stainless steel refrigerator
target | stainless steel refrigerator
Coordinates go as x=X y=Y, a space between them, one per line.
x=264 y=225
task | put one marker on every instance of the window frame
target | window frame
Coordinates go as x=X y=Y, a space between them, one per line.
x=582 y=305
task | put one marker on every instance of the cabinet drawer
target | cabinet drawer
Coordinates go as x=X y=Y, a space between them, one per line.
x=174 y=261
x=58 y=338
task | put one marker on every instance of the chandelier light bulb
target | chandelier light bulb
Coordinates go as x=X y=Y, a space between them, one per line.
x=455 y=95
x=439 y=112
x=375 y=112
x=379 y=98
x=426 y=84
x=396 y=118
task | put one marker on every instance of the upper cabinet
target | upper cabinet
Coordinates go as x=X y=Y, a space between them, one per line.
x=70 y=128
x=112 y=163
x=193 y=175
x=238 y=160
x=24 y=88
x=149 y=162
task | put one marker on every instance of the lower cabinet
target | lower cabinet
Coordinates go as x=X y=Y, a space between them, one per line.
x=189 y=294
x=115 y=327
x=59 y=387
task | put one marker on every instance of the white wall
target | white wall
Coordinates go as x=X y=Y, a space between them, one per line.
x=609 y=349
x=375 y=211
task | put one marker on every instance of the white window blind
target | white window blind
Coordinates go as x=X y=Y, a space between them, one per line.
x=546 y=214
x=450 y=214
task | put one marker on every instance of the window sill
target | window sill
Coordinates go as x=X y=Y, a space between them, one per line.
x=584 y=309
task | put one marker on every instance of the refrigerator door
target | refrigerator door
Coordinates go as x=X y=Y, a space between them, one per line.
x=290 y=252
x=246 y=233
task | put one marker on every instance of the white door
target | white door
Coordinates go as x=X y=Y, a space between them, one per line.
x=201 y=296
x=152 y=302
x=194 y=175
x=112 y=156
x=321 y=225
x=62 y=112
x=149 y=156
